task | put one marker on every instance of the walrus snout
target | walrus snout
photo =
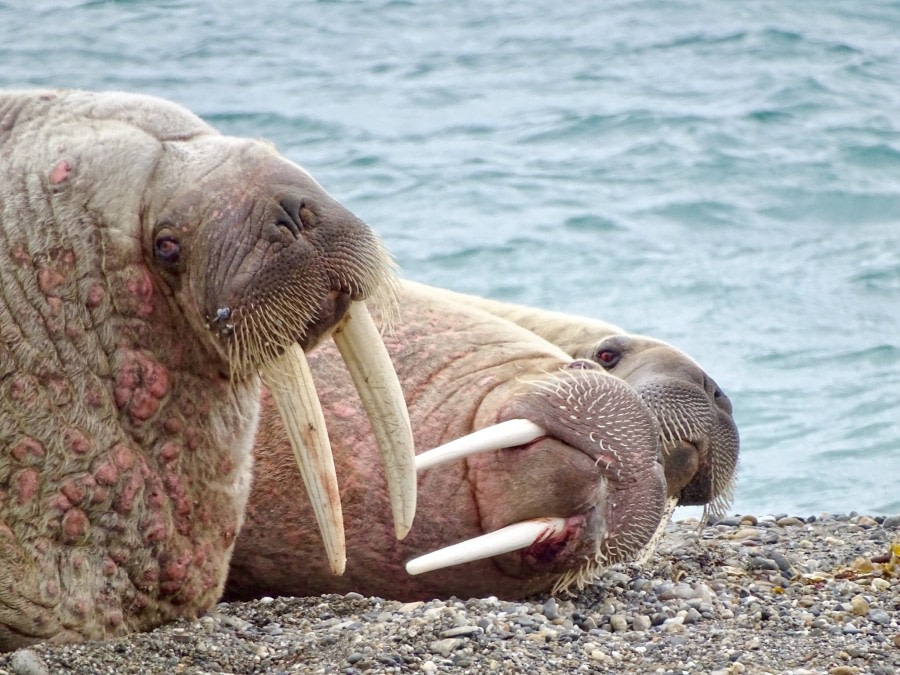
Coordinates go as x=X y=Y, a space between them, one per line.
x=591 y=477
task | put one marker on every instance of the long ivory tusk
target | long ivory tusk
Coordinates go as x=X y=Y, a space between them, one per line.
x=290 y=382
x=367 y=360
x=506 y=539
x=506 y=434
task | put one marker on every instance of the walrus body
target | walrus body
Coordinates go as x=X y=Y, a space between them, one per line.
x=137 y=248
x=459 y=366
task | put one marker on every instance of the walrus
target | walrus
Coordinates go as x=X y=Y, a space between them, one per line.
x=462 y=370
x=699 y=438
x=150 y=270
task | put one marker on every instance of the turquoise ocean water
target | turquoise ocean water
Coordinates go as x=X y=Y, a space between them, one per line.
x=724 y=176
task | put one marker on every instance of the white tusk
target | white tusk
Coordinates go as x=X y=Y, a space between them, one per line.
x=506 y=539
x=290 y=382
x=506 y=434
x=367 y=360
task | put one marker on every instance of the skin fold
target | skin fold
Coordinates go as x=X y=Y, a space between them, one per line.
x=144 y=260
x=463 y=368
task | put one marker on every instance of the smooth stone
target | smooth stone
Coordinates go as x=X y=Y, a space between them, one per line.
x=27 y=662
x=446 y=646
x=679 y=591
x=880 y=616
x=783 y=563
x=859 y=606
x=460 y=631
x=551 y=609
x=880 y=585
x=732 y=521
x=618 y=623
x=761 y=563
x=789 y=521
x=641 y=622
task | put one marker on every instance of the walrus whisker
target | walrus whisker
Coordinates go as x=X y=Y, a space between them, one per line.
x=506 y=434
x=645 y=553
x=505 y=540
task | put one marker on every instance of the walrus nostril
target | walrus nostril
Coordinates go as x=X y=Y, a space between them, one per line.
x=722 y=401
x=296 y=216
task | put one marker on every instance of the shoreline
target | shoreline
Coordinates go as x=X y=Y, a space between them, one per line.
x=773 y=594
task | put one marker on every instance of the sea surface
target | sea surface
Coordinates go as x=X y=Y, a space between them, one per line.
x=723 y=176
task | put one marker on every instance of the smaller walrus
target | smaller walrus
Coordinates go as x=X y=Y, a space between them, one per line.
x=150 y=268
x=464 y=369
x=698 y=436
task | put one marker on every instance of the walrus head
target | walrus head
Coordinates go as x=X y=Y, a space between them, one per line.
x=266 y=269
x=259 y=271
x=698 y=441
x=568 y=481
x=150 y=270
x=698 y=436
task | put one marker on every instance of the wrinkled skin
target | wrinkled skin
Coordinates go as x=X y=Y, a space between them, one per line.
x=462 y=370
x=699 y=465
x=141 y=255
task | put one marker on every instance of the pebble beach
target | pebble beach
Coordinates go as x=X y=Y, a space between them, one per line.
x=771 y=594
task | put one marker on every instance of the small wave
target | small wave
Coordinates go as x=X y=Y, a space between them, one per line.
x=591 y=222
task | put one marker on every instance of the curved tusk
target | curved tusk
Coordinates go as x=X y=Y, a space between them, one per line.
x=506 y=539
x=503 y=435
x=290 y=382
x=360 y=344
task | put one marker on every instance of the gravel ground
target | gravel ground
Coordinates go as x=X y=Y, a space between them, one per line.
x=775 y=594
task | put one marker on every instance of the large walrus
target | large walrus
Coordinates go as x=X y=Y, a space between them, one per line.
x=150 y=269
x=594 y=464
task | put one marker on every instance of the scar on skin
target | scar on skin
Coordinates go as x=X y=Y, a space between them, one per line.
x=60 y=172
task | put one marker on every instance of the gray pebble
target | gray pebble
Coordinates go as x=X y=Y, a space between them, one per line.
x=760 y=563
x=731 y=521
x=641 y=622
x=677 y=591
x=27 y=662
x=891 y=522
x=460 y=631
x=783 y=563
x=551 y=609
x=618 y=623
x=879 y=616
x=446 y=646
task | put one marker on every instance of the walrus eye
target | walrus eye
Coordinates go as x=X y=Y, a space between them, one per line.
x=167 y=250
x=607 y=357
